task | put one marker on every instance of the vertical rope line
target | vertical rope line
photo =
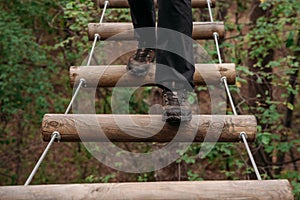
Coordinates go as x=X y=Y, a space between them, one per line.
x=209 y=10
x=243 y=135
x=216 y=37
x=82 y=81
x=97 y=36
x=93 y=48
x=104 y=10
x=224 y=80
x=55 y=135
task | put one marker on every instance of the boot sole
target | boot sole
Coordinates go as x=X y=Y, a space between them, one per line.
x=176 y=119
x=140 y=70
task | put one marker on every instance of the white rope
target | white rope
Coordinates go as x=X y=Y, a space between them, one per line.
x=93 y=49
x=81 y=83
x=209 y=10
x=243 y=135
x=97 y=36
x=55 y=135
x=224 y=80
x=103 y=12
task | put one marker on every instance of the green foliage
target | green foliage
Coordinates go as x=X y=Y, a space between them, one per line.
x=105 y=179
x=22 y=60
x=143 y=177
x=275 y=32
x=193 y=177
x=25 y=80
x=39 y=40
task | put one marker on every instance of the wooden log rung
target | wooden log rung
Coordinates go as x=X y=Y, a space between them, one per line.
x=147 y=128
x=117 y=75
x=124 y=31
x=246 y=190
x=124 y=3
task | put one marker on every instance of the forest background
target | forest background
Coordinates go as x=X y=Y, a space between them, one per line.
x=41 y=39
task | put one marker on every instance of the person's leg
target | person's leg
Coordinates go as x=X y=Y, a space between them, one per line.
x=143 y=15
x=175 y=15
x=175 y=59
x=143 y=19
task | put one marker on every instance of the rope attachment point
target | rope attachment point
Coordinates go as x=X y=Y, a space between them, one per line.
x=55 y=136
x=243 y=135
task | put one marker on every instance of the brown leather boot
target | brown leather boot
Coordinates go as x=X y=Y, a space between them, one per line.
x=139 y=63
x=176 y=109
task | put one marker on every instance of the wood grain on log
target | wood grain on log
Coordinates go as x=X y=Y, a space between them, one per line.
x=246 y=190
x=147 y=128
x=124 y=3
x=117 y=75
x=124 y=31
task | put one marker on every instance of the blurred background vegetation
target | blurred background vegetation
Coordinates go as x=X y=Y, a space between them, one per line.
x=41 y=39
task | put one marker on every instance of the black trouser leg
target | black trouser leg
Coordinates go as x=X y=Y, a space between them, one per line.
x=176 y=66
x=143 y=15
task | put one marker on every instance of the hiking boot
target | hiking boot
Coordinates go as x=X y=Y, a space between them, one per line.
x=139 y=63
x=176 y=109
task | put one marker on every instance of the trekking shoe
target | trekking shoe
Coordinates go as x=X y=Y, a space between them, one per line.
x=176 y=109
x=139 y=63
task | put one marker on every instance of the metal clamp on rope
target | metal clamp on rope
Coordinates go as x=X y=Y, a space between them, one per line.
x=56 y=135
x=209 y=2
x=243 y=134
x=84 y=82
x=215 y=34
x=223 y=79
x=97 y=36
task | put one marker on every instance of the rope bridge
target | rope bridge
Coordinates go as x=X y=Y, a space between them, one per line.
x=61 y=127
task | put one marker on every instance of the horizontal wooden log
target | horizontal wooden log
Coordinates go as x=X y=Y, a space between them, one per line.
x=147 y=128
x=124 y=31
x=110 y=76
x=246 y=190
x=124 y=3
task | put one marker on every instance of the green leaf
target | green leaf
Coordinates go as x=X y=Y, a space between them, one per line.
x=290 y=106
x=265 y=139
x=290 y=40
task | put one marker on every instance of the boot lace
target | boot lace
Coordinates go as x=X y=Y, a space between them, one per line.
x=172 y=98
x=144 y=55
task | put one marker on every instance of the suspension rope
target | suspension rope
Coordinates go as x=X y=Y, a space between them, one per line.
x=216 y=37
x=82 y=83
x=224 y=80
x=103 y=12
x=97 y=36
x=55 y=135
x=243 y=135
